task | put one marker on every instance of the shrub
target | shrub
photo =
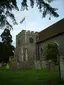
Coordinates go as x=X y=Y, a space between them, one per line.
x=51 y=51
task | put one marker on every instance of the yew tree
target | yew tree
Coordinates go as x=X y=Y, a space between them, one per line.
x=6 y=47
x=6 y=7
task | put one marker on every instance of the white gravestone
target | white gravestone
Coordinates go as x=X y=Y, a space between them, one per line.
x=37 y=64
x=7 y=66
x=0 y=64
x=44 y=64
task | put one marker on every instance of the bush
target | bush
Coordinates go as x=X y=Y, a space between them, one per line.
x=51 y=51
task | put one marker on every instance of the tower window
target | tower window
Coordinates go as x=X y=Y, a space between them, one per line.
x=31 y=40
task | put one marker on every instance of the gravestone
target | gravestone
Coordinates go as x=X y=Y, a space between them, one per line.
x=25 y=65
x=7 y=66
x=37 y=64
x=62 y=67
x=13 y=63
x=0 y=64
x=51 y=65
x=44 y=64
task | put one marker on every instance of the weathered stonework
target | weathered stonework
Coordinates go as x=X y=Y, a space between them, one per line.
x=30 y=46
x=59 y=40
x=54 y=33
x=26 y=46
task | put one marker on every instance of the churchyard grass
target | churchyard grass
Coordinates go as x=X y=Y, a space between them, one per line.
x=29 y=77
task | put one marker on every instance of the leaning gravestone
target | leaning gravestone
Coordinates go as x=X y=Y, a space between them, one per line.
x=37 y=64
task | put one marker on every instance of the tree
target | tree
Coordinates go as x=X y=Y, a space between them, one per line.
x=6 y=49
x=6 y=37
x=51 y=51
x=6 y=7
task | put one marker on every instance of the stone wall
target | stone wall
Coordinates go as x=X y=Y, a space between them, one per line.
x=25 y=45
x=59 y=40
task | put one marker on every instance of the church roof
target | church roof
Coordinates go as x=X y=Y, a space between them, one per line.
x=51 y=31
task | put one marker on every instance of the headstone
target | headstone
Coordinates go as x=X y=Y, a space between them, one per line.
x=62 y=67
x=17 y=64
x=37 y=64
x=25 y=65
x=0 y=64
x=44 y=63
x=51 y=65
x=13 y=64
x=4 y=63
x=28 y=66
x=7 y=66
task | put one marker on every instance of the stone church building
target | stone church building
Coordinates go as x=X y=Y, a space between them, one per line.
x=30 y=45
x=54 y=33
x=26 y=46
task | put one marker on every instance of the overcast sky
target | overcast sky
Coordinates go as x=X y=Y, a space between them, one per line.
x=34 y=20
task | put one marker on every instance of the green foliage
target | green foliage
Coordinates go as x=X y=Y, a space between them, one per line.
x=6 y=7
x=51 y=51
x=43 y=6
x=6 y=49
x=5 y=52
x=6 y=36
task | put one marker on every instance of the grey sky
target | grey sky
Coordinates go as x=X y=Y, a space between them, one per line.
x=34 y=20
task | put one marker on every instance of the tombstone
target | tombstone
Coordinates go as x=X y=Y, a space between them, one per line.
x=62 y=67
x=51 y=65
x=0 y=64
x=28 y=66
x=7 y=66
x=44 y=63
x=5 y=63
x=17 y=63
x=37 y=64
x=13 y=64
x=25 y=65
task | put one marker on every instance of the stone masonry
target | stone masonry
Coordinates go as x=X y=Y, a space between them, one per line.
x=26 y=46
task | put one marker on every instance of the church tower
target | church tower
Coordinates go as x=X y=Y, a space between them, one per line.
x=26 y=46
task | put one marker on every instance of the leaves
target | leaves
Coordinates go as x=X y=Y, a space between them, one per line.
x=6 y=36
x=6 y=7
x=5 y=52
x=42 y=5
x=6 y=49
x=51 y=51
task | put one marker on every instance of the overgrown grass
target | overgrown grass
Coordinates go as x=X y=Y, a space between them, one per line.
x=28 y=77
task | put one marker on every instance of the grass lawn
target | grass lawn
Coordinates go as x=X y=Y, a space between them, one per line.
x=28 y=77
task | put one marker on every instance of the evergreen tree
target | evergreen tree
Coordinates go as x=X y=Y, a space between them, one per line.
x=6 y=36
x=6 y=7
x=6 y=49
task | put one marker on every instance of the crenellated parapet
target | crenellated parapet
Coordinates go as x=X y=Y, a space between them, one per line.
x=28 y=32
